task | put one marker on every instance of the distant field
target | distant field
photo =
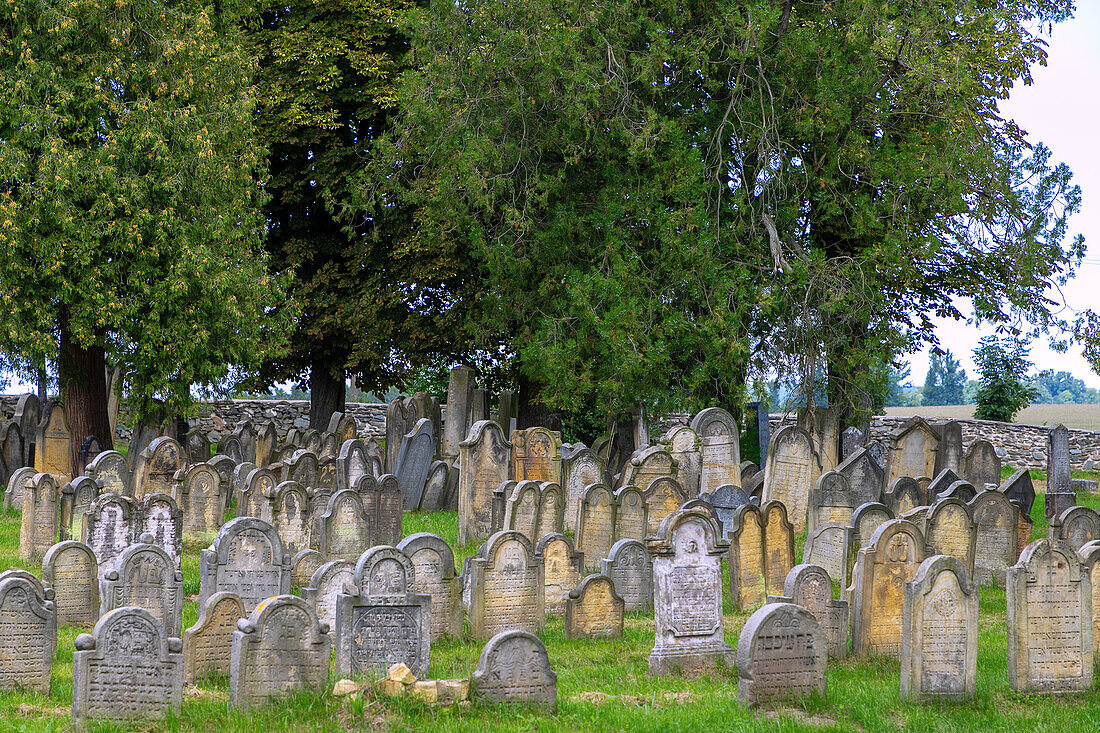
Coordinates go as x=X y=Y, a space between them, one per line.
x=1086 y=417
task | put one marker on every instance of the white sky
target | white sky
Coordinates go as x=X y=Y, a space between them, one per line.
x=1059 y=109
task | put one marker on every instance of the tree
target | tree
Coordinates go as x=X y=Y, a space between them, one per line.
x=945 y=380
x=129 y=203
x=1002 y=366
x=1061 y=388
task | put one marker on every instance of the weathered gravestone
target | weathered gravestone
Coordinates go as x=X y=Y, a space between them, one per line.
x=865 y=520
x=145 y=576
x=720 y=448
x=198 y=494
x=352 y=464
x=536 y=455
x=128 y=668
x=230 y=445
x=912 y=451
x=225 y=466
x=345 y=527
x=238 y=486
x=939 y=632
x=864 y=474
x=51 y=443
x=904 y=494
x=778 y=545
x=259 y=483
x=851 y=440
x=385 y=622
x=28 y=411
x=811 y=587
x=1049 y=610
x=630 y=568
x=196 y=446
x=288 y=509
x=983 y=467
x=435 y=487
x=77 y=497
x=940 y=483
x=823 y=426
x=483 y=466
x=949 y=453
x=1060 y=495
x=885 y=565
x=40 y=518
x=28 y=632
x=383 y=502
x=726 y=500
x=662 y=497
x=13 y=448
x=506 y=586
x=513 y=669
x=594 y=609
x=109 y=528
x=646 y=466
x=563 y=568
x=303 y=468
x=329 y=580
x=1089 y=555
x=17 y=487
x=596 y=525
x=402 y=414
x=207 y=645
x=281 y=647
x=266 y=438
x=160 y=517
x=748 y=579
x=247 y=559
x=832 y=500
x=434 y=563
x=995 y=537
x=580 y=469
x=963 y=490
x=413 y=461
x=950 y=530
x=828 y=547
x=685 y=446
x=535 y=509
x=70 y=569
x=1018 y=487
x=156 y=467
x=1076 y=526
x=791 y=471
x=781 y=655
x=303 y=565
x=687 y=596
x=456 y=423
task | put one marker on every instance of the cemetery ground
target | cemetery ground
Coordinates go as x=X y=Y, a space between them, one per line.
x=602 y=684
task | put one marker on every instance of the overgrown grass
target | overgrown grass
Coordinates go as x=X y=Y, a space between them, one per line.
x=602 y=685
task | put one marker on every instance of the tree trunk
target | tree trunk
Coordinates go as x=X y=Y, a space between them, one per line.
x=42 y=396
x=114 y=387
x=326 y=396
x=530 y=413
x=84 y=392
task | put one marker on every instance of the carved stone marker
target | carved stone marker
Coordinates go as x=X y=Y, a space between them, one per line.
x=535 y=509
x=781 y=655
x=197 y=491
x=687 y=581
x=828 y=547
x=663 y=496
x=719 y=436
x=413 y=461
x=383 y=502
x=1089 y=555
x=290 y=512
x=1060 y=493
x=156 y=466
x=128 y=668
x=247 y=559
x=280 y=648
x=686 y=448
x=581 y=468
x=885 y=565
x=536 y=455
x=145 y=576
x=161 y=517
x=345 y=527
x=983 y=467
x=563 y=569
x=41 y=517
x=903 y=495
x=1018 y=487
x=385 y=623
x=995 y=539
x=108 y=528
x=778 y=545
x=748 y=582
x=328 y=581
x=726 y=500
x=1049 y=609
x=17 y=487
x=596 y=526
x=791 y=470
x=939 y=632
x=434 y=563
x=207 y=644
x=483 y=466
x=77 y=497
x=70 y=569
x=949 y=453
x=950 y=530
x=810 y=587
x=514 y=669
x=594 y=609
x=1077 y=525
x=506 y=586
x=51 y=443
x=28 y=632
x=912 y=450
x=303 y=565
x=630 y=568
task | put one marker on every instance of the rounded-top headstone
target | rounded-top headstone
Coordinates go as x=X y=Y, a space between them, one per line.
x=781 y=655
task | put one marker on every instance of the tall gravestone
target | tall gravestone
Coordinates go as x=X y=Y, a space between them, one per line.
x=811 y=587
x=748 y=580
x=156 y=467
x=77 y=497
x=865 y=520
x=720 y=446
x=207 y=645
x=687 y=595
x=791 y=471
x=345 y=527
x=778 y=545
x=384 y=501
x=434 y=562
x=851 y=440
x=1049 y=610
x=198 y=493
x=1089 y=555
x=145 y=576
x=884 y=566
x=949 y=455
x=685 y=446
x=247 y=559
x=563 y=568
x=352 y=464
x=28 y=411
x=1060 y=494
x=995 y=543
x=631 y=569
x=483 y=466
x=51 y=443
x=983 y=466
x=456 y=428
x=506 y=586
x=536 y=455
x=159 y=516
x=596 y=525
x=631 y=509
x=781 y=655
x=580 y=469
x=823 y=426
x=128 y=668
x=950 y=530
x=28 y=631
x=109 y=527
x=413 y=461
x=289 y=510
x=912 y=450
x=70 y=569
x=513 y=669
x=40 y=518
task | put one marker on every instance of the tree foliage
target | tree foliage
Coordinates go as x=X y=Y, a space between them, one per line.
x=1002 y=370
x=1062 y=388
x=944 y=383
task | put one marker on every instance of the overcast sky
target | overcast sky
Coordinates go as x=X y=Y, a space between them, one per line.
x=1060 y=109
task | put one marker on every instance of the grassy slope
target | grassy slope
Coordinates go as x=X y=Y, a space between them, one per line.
x=602 y=685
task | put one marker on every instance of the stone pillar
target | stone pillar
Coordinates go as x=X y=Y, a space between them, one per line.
x=457 y=409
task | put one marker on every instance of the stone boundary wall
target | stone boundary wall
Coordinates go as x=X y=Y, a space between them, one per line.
x=219 y=418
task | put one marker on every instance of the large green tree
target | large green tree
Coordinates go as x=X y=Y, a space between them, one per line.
x=130 y=221
x=1002 y=374
x=943 y=385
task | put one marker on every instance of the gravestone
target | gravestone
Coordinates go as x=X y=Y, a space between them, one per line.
x=28 y=412
x=196 y=446
x=647 y=465
x=289 y=511
x=912 y=451
x=781 y=656
x=791 y=471
x=225 y=466
x=884 y=566
x=435 y=487
x=303 y=565
x=246 y=559
x=940 y=483
x=662 y=497
x=207 y=645
x=13 y=448
x=109 y=528
x=1060 y=493
x=71 y=570
x=456 y=425
x=939 y=632
x=685 y=446
x=1018 y=487
x=266 y=439
x=328 y=449
x=259 y=484
x=17 y=487
x=720 y=448
x=506 y=586
x=40 y=518
x=160 y=517
x=596 y=526
x=385 y=622
x=402 y=414
x=949 y=456
x=536 y=455
x=864 y=475
x=687 y=596
x=413 y=461
x=513 y=669
x=726 y=500
x=811 y=587
x=345 y=527
x=950 y=530
x=748 y=581
x=594 y=609
x=230 y=445
x=535 y=509
x=851 y=440
x=77 y=497
x=352 y=464
x=28 y=630
x=303 y=468
x=51 y=442
x=828 y=547
x=995 y=544
x=1089 y=555
x=318 y=503
x=1049 y=613
x=904 y=494
x=832 y=500
x=145 y=576
x=982 y=464
x=280 y=648
x=629 y=567
x=563 y=568
x=156 y=467
x=1024 y=526
x=238 y=487
x=483 y=466
x=112 y=473
x=1077 y=526
x=434 y=563
x=778 y=545
x=865 y=520
x=198 y=495
x=328 y=581
x=128 y=668
x=823 y=426
x=383 y=502
x=962 y=490
x=748 y=469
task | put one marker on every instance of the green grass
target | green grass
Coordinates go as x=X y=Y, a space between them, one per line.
x=602 y=685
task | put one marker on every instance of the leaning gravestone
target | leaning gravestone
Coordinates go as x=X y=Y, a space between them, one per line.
x=207 y=644
x=963 y=490
x=246 y=559
x=885 y=565
x=1077 y=526
x=385 y=623
x=145 y=576
x=28 y=630
x=791 y=471
x=282 y=647
x=646 y=466
x=161 y=517
x=687 y=581
x=983 y=467
x=70 y=569
x=435 y=487
x=828 y=547
x=128 y=668
x=514 y=670
x=851 y=440
x=303 y=565
x=328 y=581
x=1060 y=495
x=629 y=567
x=402 y=414
x=810 y=587
x=413 y=461
x=726 y=500
x=563 y=569
x=483 y=466
x=864 y=475
x=995 y=539
x=594 y=609
x=1049 y=609
x=1018 y=487
x=40 y=518
x=939 y=632
x=506 y=586
x=345 y=527
x=940 y=483
x=156 y=467
x=27 y=413
x=77 y=497
x=435 y=575
x=720 y=445
x=781 y=655
x=748 y=584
